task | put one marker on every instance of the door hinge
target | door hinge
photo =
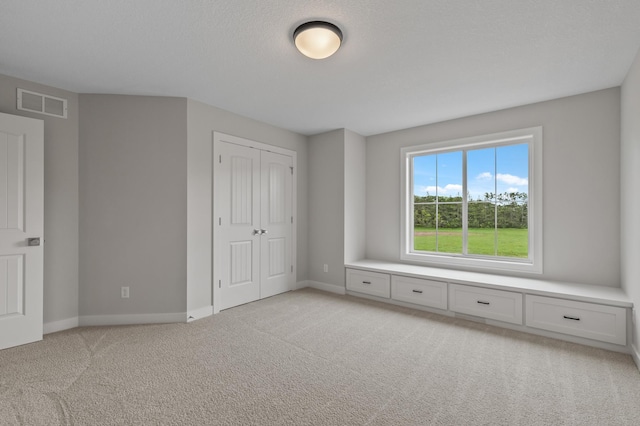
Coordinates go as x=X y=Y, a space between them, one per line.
x=219 y=283
x=292 y=269
x=220 y=221
x=291 y=219
x=291 y=170
x=220 y=159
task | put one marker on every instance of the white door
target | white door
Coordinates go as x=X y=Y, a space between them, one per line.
x=253 y=234
x=21 y=219
x=238 y=178
x=275 y=224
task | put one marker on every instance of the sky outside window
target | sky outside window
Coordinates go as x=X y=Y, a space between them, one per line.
x=445 y=180
x=506 y=166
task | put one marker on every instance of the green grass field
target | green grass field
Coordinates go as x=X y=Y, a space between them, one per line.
x=511 y=242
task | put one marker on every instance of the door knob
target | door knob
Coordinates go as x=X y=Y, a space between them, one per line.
x=257 y=232
x=33 y=241
x=263 y=231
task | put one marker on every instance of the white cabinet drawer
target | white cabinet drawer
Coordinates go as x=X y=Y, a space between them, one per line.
x=373 y=283
x=419 y=291
x=598 y=322
x=483 y=302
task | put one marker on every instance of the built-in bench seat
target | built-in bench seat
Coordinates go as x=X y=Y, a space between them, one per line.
x=593 y=315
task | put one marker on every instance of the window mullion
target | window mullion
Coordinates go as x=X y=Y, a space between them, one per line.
x=412 y=207
x=495 y=209
x=465 y=225
x=437 y=204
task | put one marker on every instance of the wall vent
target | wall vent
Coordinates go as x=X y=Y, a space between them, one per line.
x=42 y=104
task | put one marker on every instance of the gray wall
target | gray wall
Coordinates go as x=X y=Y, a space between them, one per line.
x=202 y=121
x=60 y=198
x=145 y=169
x=326 y=207
x=581 y=193
x=355 y=209
x=146 y=194
x=133 y=204
x=630 y=188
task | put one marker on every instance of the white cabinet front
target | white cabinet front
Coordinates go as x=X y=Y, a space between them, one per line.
x=419 y=291
x=483 y=302
x=373 y=283
x=598 y=322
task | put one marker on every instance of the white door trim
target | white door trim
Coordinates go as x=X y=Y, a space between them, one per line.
x=219 y=137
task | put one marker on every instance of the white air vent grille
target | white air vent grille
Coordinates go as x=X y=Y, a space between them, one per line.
x=42 y=104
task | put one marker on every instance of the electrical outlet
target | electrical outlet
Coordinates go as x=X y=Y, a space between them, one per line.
x=326 y=267
x=124 y=292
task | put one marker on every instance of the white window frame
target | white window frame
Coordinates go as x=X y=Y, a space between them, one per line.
x=532 y=136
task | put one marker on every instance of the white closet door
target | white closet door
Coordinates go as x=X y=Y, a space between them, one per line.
x=239 y=245
x=276 y=223
x=21 y=229
x=253 y=198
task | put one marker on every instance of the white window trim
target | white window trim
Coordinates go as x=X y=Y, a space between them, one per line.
x=534 y=263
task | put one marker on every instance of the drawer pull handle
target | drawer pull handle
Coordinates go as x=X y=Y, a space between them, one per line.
x=417 y=291
x=571 y=318
x=483 y=303
x=366 y=282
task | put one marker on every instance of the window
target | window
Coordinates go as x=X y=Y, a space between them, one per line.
x=475 y=202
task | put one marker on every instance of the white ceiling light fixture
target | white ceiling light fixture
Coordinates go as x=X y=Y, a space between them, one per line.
x=317 y=39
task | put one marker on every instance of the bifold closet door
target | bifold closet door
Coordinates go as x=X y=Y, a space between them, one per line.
x=276 y=224
x=255 y=224
x=240 y=223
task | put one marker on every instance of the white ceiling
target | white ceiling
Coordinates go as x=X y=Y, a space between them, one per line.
x=403 y=62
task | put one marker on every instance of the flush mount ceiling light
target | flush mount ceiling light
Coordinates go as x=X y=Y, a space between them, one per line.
x=317 y=39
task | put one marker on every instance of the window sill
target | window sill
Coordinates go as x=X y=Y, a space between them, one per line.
x=485 y=264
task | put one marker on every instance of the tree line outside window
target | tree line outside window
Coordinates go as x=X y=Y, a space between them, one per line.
x=504 y=210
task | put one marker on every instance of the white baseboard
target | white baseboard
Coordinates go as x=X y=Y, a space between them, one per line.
x=130 y=319
x=197 y=314
x=301 y=285
x=65 y=324
x=635 y=354
x=326 y=287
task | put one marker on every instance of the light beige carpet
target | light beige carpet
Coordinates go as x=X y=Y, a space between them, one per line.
x=312 y=358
